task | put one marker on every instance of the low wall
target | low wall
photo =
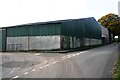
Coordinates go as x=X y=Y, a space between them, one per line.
x=75 y=42
x=48 y=42
x=33 y=43
x=44 y=42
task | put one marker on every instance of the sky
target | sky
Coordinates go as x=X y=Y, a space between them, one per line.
x=16 y=12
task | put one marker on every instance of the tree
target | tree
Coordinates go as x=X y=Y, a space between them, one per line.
x=115 y=28
x=111 y=21
x=107 y=19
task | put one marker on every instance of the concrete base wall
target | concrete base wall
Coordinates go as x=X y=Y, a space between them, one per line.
x=44 y=42
x=33 y=43
x=74 y=42
x=91 y=42
x=48 y=42
x=17 y=43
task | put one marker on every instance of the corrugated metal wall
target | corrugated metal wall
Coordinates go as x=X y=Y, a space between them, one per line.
x=34 y=30
x=87 y=28
x=75 y=33
x=17 y=31
x=44 y=30
x=105 y=35
x=2 y=39
x=32 y=37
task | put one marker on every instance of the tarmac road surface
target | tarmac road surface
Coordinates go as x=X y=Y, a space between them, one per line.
x=93 y=63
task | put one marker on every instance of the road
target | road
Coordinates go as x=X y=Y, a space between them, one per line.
x=93 y=63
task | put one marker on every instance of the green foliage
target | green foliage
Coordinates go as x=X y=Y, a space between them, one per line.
x=117 y=69
x=119 y=38
x=111 y=21
x=107 y=19
x=115 y=28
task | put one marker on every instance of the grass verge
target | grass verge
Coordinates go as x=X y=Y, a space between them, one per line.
x=117 y=69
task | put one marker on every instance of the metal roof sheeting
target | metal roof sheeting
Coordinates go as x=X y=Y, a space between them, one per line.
x=86 y=27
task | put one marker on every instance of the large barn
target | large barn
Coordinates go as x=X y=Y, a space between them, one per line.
x=53 y=35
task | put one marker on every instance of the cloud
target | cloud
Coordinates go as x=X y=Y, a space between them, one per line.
x=14 y=12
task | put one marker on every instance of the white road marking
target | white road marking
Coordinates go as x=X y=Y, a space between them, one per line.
x=12 y=71
x=83 y=51
x=55 y=62
x=41 y=67
x=26 y=72
x=46 y=65
x=73 y=55
x=78 y=53
x=63 y=58
x=37 y=54
x=36 y=65
x=15 y=77
x=33 y=70
x=19 y=68
x=68 y=56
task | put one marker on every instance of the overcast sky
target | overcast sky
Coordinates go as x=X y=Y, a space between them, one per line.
x=15 y=12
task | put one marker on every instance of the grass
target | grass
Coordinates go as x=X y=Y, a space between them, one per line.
x=117 y=69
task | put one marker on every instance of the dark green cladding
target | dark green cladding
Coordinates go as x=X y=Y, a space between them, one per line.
x=2 y=39
x=86 y=28
x=44 y=30
x=34 y=30
x=17 y=31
